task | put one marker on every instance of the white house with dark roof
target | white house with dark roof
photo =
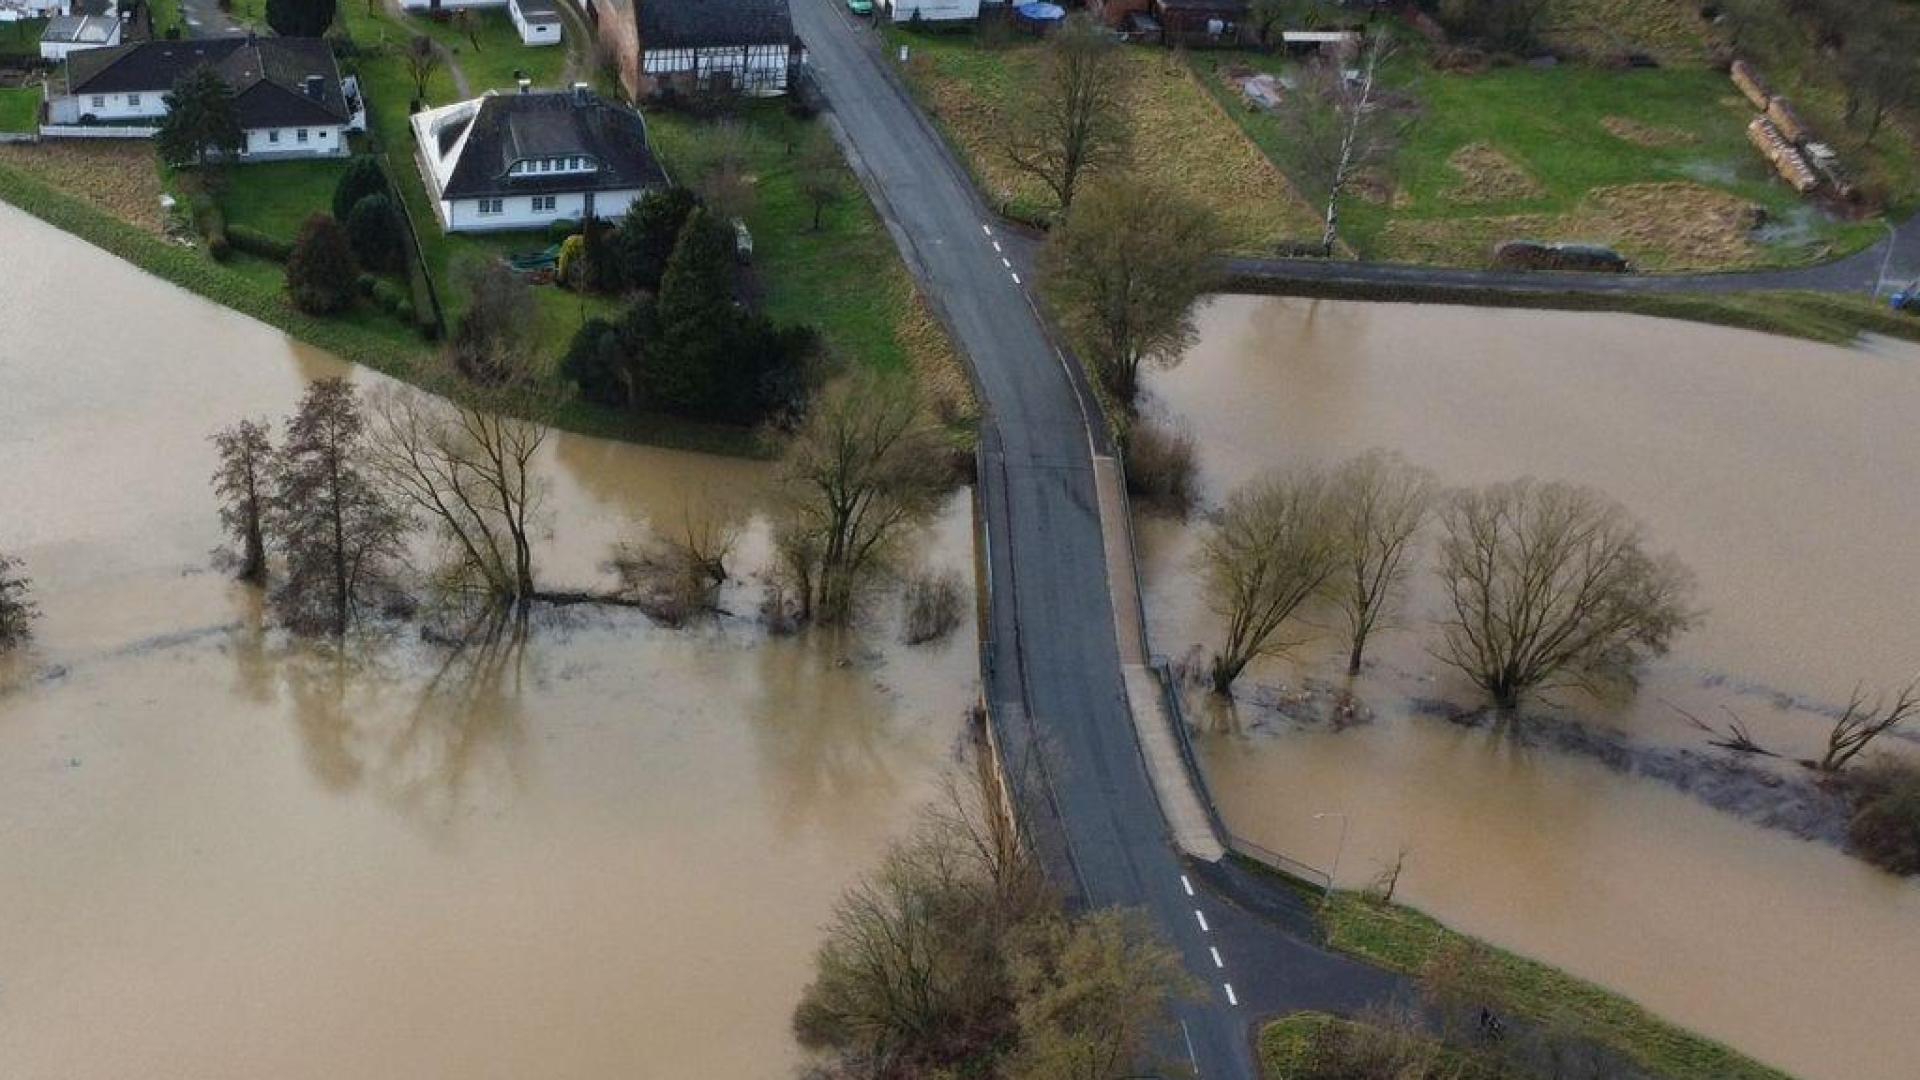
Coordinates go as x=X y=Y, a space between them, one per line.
x=526 y=160
x=746 y=45
x=291 y=100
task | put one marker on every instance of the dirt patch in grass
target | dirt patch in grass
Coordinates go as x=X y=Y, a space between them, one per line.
x=1489 y=176
x=1662 y=226
x=1669 y=30
x=120 y=178
x=1650 y=136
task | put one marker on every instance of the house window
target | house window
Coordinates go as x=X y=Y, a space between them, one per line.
x=273 y=135
x=99 y=101
x=299 y=134
x=545 y=204
x=133 y=101
x=492 y=206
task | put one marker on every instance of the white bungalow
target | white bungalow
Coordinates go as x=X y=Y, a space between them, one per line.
x=526 y=160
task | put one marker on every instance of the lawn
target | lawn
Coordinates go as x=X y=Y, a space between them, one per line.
x=495 y=57
x=1404 y=940
x=20 y=109
x=847 y=278
x=1180 y=137
x=277 y=197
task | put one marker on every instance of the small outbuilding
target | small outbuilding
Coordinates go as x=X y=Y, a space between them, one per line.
x=68 y=34
x=538 y=21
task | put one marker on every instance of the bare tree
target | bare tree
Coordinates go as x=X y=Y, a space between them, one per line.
x=339 y=534
x=1270 y=550
x=467 y=21
x=1861 y=723
x=677 y=572
x=17 y=609
x=864 y=468
x=1379 y=504
x=494 y=341
x=1094 y=996
x=467 y=469
x=1878 y=60
x=722 y=169
x=1551 y=582
x=822 y=176
x=1072 y=122
x=1337 y=128
x=422 y=59
x=1124 y=272
x=242 y=483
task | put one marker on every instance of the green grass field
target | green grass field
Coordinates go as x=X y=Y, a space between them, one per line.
x=492 y=63
x=277 y=197
x=20 y=109
x=21 y=39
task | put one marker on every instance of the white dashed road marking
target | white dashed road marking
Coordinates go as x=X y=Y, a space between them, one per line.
x=1217 y=962
x=996 y=245
x=1016 y=279
x=1231 y=1000
x=1204 y=928
x=1005 y=263
x=986 y=230
x=1185 y=884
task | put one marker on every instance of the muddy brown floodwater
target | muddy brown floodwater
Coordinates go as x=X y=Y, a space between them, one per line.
x=1782 y=472
x=604 y=851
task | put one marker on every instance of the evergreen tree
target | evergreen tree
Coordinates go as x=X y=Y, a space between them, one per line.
x=648 y=234
x=201 y=120
x=596 y=362
x=697 y=318
x=373 y=230
x=300 y=18
x=362 y=178
x=320 y=272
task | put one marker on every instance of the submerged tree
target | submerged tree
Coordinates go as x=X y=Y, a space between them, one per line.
x=1862 y=722
x=864 y=468
x=1379 y=503
x=468 y=470
x=17 y=609
x=243 y=484
x=1271 y=550
x=340 y=535
x=1124 y=271
x=1550 y=582
x=1073 y=121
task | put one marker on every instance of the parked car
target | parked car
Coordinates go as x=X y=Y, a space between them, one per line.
x=860 y=7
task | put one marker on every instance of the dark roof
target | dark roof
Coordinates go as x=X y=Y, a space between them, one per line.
x=538 y=10
x=91 y=7
x=685 y=24
x=511 y=127
x=268 y=75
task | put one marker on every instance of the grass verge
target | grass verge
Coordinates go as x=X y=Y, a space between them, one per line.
x=1404 y=940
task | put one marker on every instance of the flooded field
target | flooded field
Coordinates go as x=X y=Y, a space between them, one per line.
x=1780 y=471
x=603 y=850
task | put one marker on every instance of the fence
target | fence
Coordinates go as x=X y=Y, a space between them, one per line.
x=97 y=131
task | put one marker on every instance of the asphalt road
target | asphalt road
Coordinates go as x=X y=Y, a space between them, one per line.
x=1055 y=678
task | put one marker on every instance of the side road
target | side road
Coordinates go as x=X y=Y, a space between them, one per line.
x=1896 y=257
x=1053 y=668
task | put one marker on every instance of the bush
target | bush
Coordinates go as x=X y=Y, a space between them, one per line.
x=392 y=298
x=363 y=177
x=558 y=231
x=251 y=241
x=1885 y=829
x=1160 y=465
x=320 y=273
x=648 y=234
x=932 y=603
x=365 y=284
x=373 y=229
x=210 y=223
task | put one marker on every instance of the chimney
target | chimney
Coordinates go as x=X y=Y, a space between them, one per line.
x=582 y=93
x=526 y=84
x=316 y=87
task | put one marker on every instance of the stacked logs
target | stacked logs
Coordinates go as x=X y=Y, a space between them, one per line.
x=1785 y=157
x=1778 y=132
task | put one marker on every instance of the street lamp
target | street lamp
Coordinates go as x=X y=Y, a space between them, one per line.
x=1893 y=241
x=1338 y=851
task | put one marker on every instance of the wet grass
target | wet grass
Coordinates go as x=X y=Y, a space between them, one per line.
x=20 y=109
x=499 y=58
x=1402 y=939
x=277 y=197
